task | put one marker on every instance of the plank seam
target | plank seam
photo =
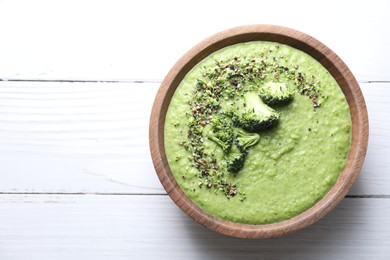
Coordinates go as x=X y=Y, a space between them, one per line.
x=126 y=81
x=85 y=193
x=83 y=80
x=154 y=194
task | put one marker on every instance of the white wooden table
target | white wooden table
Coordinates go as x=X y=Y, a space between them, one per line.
x=78 y=79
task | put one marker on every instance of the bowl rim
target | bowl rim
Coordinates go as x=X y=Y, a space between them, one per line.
x=300 y=41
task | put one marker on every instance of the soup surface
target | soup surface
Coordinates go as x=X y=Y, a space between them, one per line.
x=263 y=174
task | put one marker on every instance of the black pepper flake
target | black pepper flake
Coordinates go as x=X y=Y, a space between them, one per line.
x=231 y=190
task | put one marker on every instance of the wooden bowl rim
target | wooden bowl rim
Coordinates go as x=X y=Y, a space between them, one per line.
x=298 y=40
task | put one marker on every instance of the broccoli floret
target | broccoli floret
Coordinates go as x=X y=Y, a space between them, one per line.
x=245 y=140
x=225 y=145
x=274 y=93
x=256 y=115
x=235 y=159
x=222 y=132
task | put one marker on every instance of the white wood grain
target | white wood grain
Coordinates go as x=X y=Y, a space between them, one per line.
x=152 y=227
x=374 y=177
x=76 y=137
x=93 y=138
x=92 y=39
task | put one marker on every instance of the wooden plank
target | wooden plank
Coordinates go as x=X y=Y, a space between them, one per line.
x=143 y=39
x=93 y=138
x=76 y=137
x=373 y=178
x=151 y=227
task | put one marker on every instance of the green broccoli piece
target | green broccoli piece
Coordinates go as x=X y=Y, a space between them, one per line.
x=225 y=145
x=235 y=159
x=255 y=115
x=274 y=93
x=245 y=140
x=222 y=132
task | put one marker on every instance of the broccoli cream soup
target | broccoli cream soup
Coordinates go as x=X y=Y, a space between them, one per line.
x=257 y=133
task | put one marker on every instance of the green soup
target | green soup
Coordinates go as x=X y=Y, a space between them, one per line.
x=293 y=165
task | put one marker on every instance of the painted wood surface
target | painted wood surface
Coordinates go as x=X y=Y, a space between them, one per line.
x=77 y=82
x=152 y=227
x=111 y=40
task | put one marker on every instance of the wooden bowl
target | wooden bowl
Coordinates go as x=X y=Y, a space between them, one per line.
x=300 y=41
